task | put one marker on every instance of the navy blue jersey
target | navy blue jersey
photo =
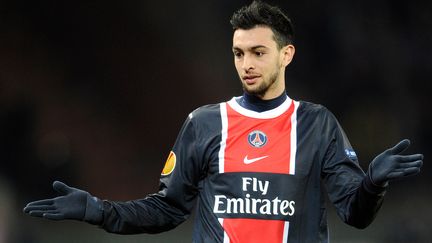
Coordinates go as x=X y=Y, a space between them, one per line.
x=254 y=177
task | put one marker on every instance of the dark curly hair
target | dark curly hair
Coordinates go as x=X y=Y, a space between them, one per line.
x=262 y=14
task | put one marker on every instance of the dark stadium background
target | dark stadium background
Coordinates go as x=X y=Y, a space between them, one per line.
x=93 y=93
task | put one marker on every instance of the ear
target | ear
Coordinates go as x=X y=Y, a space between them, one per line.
x=287 y=54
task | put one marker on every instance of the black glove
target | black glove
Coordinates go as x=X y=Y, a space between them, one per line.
x=72 y=203
x=391 y=165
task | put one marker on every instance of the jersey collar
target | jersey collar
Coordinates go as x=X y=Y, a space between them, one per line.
x=266 y=114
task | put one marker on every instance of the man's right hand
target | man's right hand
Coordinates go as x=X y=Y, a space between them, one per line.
x=72 y=203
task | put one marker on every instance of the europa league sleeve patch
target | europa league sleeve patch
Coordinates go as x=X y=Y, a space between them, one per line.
x=169 y=164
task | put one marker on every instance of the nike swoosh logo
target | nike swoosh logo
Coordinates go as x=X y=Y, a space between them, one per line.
x=250 y=161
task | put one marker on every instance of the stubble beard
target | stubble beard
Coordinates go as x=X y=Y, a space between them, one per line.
x=264 y=87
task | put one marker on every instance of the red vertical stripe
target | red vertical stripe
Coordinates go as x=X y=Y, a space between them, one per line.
x=254 y=230
x=273 y=157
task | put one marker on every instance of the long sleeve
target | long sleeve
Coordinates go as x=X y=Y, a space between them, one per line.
x=176 y=198
x=356 y=199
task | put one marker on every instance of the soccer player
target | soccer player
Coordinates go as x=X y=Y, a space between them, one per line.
x=258 y=165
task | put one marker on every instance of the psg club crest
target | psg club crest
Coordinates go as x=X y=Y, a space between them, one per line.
x=257 y=139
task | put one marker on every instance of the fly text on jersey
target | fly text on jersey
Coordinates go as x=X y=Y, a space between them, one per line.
x=251 y=205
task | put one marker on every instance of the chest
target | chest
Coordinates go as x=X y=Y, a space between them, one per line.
x=256 y=144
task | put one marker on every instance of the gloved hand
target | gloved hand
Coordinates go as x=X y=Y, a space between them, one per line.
x=391 y=164
x=72 y=203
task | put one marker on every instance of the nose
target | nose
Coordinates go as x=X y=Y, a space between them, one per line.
x=247 y=63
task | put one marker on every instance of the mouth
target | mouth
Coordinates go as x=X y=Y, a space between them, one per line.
x=250 y=79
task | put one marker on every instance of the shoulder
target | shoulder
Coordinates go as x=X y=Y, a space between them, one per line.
x=317 y=114
x=205 y=112
x=310 y=108
x=205 y=117
x=205 y=120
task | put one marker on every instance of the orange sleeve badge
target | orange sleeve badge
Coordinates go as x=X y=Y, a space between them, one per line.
x=169 y=164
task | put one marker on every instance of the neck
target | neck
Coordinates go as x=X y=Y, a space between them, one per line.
x=254 y=103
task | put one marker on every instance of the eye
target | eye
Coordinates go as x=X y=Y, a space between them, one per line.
x=259 y=53
x=238 y=54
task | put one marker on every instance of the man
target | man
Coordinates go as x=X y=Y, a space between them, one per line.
x=258 y=165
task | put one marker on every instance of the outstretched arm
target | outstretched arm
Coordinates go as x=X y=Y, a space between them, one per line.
x=358 y=196
x=387 y=166
x=153 y=214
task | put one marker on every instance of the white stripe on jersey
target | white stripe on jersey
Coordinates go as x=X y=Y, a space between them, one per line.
x=293 y=138
x=285 y=232
x=224 y=134
x=226 y=238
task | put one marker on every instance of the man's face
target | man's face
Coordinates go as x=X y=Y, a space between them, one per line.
x=259 y=62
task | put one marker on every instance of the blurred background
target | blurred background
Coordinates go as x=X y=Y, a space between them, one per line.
x=93 y=93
